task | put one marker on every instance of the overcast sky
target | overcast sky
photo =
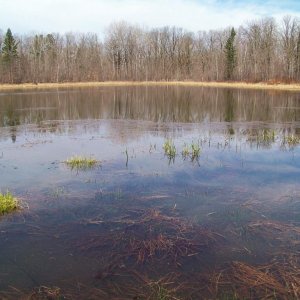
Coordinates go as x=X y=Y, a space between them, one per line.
x=24 y=16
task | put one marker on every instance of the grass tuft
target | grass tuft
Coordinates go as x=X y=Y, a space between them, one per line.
x=192 y=151
x=293 y=140
x=185 y=151
x=81 y=163
x=8 y=203
x=195 y=151
x=170 y=149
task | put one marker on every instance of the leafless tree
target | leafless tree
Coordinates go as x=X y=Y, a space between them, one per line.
x=265 y=51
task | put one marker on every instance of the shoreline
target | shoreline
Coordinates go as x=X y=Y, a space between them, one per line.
x=234 y=85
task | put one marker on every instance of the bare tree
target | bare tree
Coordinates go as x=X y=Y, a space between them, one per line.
x=264 y=51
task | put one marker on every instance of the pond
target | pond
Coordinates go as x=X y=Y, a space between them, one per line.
x=218 y=217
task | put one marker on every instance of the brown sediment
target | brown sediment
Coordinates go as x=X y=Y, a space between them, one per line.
x=236 y=85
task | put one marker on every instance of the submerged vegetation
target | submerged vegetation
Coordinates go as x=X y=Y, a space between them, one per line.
x=147 y=252
x=279 y=280
x=8 y=203
x=81 y=163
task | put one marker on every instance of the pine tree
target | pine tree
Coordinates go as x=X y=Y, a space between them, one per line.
x=9 y=55
x=9 y=49
x=230 y=52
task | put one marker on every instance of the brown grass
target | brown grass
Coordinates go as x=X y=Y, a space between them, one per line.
x=279 y=280
x=38 y=293
x=151 y=235
x=287 y=234
x=236 y=85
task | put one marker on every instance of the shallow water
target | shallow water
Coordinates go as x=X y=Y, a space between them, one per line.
x=79 y=229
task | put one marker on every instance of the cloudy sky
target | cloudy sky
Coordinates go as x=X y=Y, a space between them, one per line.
x=24 y=16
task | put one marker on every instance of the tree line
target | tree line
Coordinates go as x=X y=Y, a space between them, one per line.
x=261 y=50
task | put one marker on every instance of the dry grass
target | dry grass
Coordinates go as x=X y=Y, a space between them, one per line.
x=237 y=85
x=279 y=280
x=286 y=234
x=153 y=236
x=38 y=293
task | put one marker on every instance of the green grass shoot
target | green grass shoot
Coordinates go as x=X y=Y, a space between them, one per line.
x=81 y=163
x=8 y=203
x=170 y=149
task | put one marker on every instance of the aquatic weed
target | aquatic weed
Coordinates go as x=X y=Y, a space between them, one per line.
x=81 y=163
x=8 y=203
x=185 y=151
x=292 y=140
x=266 y=137
x=192 y=151
x=195 y=151
x=170 y=149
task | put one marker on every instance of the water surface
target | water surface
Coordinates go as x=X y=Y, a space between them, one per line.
x=141 y=222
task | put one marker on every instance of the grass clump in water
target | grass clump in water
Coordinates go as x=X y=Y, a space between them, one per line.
x=81 y=163
x=293 y=140
x=170 y=149
x=266 y=137
x=8 y=203
x=185 y=151
x=193 y=151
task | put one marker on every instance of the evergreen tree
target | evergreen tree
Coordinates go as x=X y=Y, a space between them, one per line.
x=9 y=55
x=230 y=52
x=9 y=49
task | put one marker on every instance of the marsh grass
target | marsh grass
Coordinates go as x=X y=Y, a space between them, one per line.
x=236 y=85
x=292 y=140
x=193 y=151
x=266 y=137
x=170 y=149
x=185 y=151
x=81 y=163
x=8 y=203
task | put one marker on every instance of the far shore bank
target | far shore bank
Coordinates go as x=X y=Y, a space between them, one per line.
x=235 y=85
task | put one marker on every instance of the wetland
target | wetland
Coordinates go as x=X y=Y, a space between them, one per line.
x=150 y=192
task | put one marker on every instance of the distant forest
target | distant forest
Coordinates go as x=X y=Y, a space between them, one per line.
x=259 y=51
